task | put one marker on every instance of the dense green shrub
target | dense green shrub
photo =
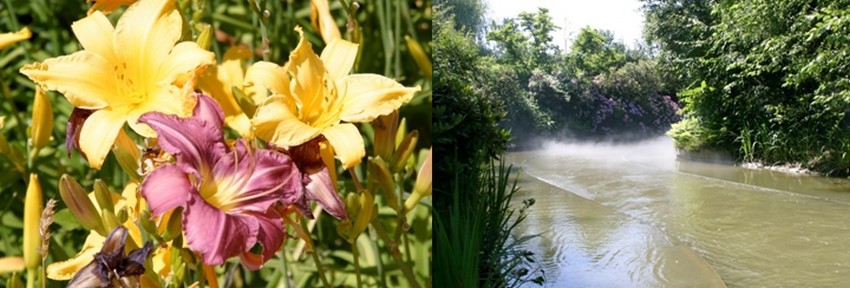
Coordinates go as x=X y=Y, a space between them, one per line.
x=772 y=75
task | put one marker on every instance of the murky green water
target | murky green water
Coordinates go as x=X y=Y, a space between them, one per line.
x=634 y=216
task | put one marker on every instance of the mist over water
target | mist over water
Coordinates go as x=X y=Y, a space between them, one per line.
x=633 y=215
x=658 y=152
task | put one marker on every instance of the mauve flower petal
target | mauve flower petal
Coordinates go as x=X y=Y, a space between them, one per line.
x=208 y=110
x=270 y=235
x=166 y=188
x=260 y=178
x=321 y=189
x=72 y=130
x=192 y=141
x=216 y=235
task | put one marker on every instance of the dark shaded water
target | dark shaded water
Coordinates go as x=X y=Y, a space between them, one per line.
x=634 y=216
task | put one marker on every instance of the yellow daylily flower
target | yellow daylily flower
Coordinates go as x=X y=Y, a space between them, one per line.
x=312 y=95
x=107 y=6
x=219 y=82
x=125 y=71
x=10 y=38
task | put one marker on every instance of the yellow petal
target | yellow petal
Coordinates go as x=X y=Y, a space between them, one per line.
x=83 y=77
x=183 y=60
x=338 y=57
x=95 y=34
x=308 y=84
x=266 y=75
x=169 y=100
x=347 y=143
x=368 y=96
x=65 y=270
x=10 y=38
x=275 y=122
x=145 y=34
x=99 y=132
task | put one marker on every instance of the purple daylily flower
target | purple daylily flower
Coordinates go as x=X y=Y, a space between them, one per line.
x=227 y=192
x=317 y=180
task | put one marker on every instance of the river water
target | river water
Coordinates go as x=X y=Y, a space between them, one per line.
x=635 y=216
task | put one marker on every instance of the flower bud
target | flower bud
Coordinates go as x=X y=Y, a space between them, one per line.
x=379 y=173
x=110 y=221
x=419 y=55
x=127 y=153
x=4 y=145
x=368 y=210
x=32 y=218
x=327 y=24
x=7 y=39
x=103 y=195
x=404 y=150
x=422 y=187
x=78 y=202
x=385 y=130
x=42 y=119
x=11 y=264
x=206 y=37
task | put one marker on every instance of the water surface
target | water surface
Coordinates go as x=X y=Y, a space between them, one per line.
x=634 y=216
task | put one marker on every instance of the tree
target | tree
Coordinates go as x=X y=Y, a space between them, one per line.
x=595 y=52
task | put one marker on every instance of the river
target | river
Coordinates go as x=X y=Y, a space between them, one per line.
x=635 y=216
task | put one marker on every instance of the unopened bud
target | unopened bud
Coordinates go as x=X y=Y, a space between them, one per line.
x=404 y=150
x=7 y=39
x=379 y=173
x=32 y=220
x=42 y=119
x=367 y=212
x=174 y=227
x=385 y=129
x=128 y=154
x=422 y=187
x=326 y=21
x=110 y=221
x=103 y=195
x=78 y=202
x=11 y=264
x=206 y=37
x=419 y=55
x=4 y=145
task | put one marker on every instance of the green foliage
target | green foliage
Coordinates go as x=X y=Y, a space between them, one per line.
x=595 y=52
x=474 y=243
x=780 y=71
x=466 y=16
x=688 y=134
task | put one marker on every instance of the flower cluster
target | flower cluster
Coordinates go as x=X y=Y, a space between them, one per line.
x=190 y=186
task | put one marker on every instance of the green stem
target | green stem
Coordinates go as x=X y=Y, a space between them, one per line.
x=395 y=253
x=283 y=269
x=356 y=260
x=315 y=254
x=31 y=278
x=378 y=262
x=264 y=31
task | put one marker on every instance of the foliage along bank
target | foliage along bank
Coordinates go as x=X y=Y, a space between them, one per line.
x=764 y=80
x=598 y=90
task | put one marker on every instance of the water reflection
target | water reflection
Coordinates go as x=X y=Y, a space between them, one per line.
x=631 y=216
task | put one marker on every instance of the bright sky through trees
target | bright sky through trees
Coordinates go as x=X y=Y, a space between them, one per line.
x=623 y=17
